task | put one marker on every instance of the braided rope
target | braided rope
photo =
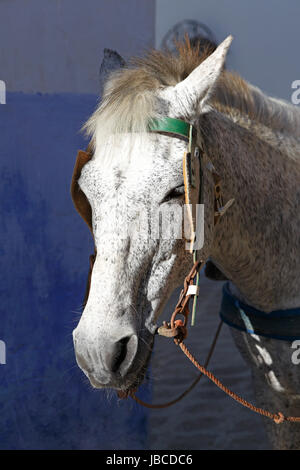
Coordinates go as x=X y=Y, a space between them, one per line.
x=278 y=418
x=193 y=384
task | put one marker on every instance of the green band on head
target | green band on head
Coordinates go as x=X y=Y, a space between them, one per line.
x=171 y=126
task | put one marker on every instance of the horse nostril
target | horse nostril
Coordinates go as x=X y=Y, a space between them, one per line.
x=116 y=354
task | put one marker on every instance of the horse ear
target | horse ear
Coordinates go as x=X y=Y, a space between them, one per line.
x=197 y=88
x=111 y=61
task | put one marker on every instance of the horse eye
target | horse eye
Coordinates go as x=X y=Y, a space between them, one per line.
x=175 y=193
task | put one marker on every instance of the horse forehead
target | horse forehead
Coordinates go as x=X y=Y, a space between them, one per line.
x=136 y=174
x=106 y=183
x=148 y=169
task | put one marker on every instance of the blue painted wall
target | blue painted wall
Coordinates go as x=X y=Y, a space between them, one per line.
x=45 y=400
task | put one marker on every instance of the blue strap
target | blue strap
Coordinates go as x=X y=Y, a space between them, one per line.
x=279 y=324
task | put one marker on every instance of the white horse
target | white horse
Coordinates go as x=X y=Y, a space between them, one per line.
x=253 y=143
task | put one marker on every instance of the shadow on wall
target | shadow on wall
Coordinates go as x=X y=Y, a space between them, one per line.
x=45 y=400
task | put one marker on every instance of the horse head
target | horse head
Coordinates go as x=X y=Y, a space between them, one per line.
x=131 y=177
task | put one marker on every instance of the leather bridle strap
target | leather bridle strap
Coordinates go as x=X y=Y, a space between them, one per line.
x=171 y=126
x=176 y=328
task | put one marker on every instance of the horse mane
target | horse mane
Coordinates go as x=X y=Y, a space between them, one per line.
x=129 y=101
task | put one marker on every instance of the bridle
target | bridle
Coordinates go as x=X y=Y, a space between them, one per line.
x=193 y=189
x=192 y=167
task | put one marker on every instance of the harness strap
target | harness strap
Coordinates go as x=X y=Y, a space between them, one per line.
x=278 y=324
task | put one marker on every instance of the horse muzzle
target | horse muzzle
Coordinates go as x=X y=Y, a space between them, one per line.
x=109 y=362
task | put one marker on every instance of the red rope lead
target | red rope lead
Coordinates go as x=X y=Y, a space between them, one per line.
x=277 y=418
x=182 y=395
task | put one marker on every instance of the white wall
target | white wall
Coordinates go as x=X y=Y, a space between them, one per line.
x=266 y=35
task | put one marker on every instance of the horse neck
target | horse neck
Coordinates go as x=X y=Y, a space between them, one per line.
x=256 y=244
